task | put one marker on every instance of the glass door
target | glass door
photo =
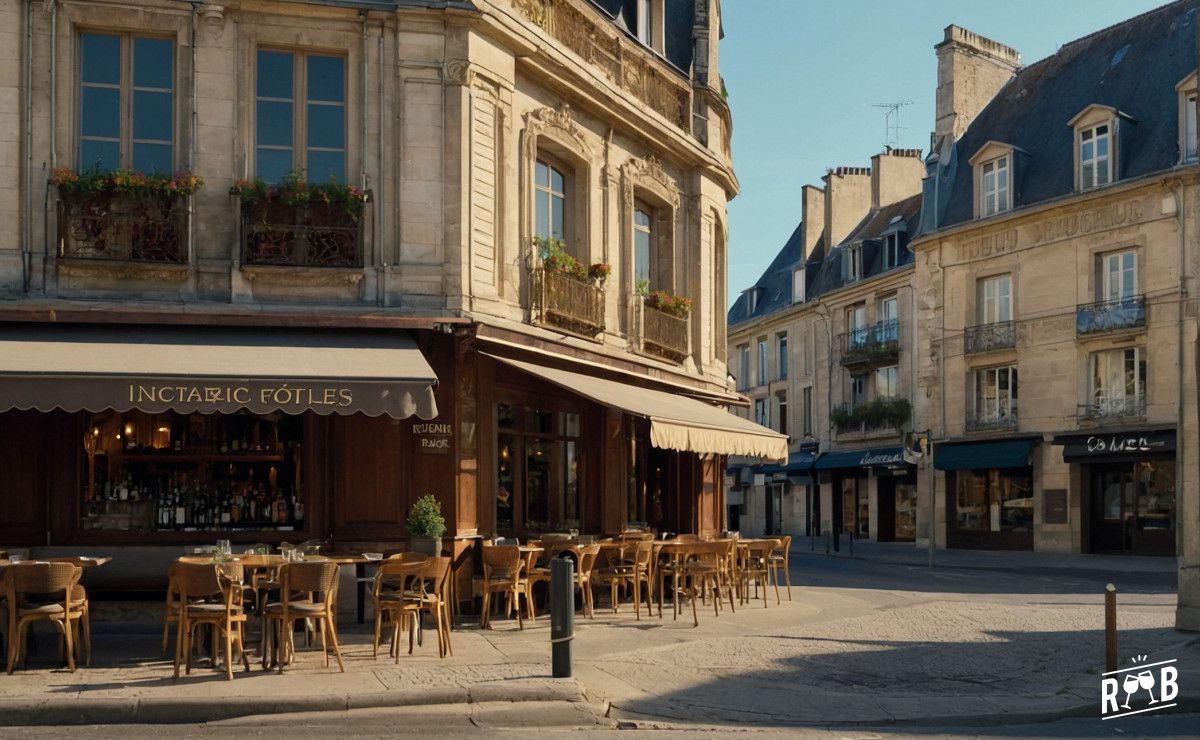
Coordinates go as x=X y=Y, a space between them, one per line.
x=1112 y=508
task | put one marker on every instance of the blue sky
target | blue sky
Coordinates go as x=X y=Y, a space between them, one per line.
x=804 y=75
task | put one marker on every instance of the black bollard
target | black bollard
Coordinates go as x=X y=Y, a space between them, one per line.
x=562 y=615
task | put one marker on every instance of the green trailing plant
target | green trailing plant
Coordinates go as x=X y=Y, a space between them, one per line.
x=94 y=182
x=669 y=303
x=878 y=414
x=554 y=255
x=425 y=519
x=295 y=191
x=642 y=287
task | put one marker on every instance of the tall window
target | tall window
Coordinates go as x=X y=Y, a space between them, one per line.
x=762 y=412
x=1188 y=145
x=996 y=394
x=891 y=250
x=645 y=22
x=856 y=326
x=807 y=410
x=995 y=187
x=1118 y=382
x=643 y=237
x=781 y=342
x=995 y=299
x=126 y=103
x=1118 y=276
x=887 y=382
x=889 y=320
x=858 y=390
x=798 y=285
x=854 y=264
x=537 y=468
x=549 y=201
x=744 y=366
x=783 y=414
x=762 y=361
x=300 y=110
x=1095 y=160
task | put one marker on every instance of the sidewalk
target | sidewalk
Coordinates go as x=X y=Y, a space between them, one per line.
x=906 y=553
x=916 y=650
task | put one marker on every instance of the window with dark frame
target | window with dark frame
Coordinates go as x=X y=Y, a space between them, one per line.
x=537 y=468
x=300 y=116
x=126 y=103
x=782 y=344
x=807 y=410
x=782 y=427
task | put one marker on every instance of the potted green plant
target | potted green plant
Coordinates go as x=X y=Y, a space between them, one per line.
x=426 y=525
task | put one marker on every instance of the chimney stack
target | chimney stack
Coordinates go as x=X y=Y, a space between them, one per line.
x=812 y=205
x=847 y=201
x=971 y=70
x=895 y=175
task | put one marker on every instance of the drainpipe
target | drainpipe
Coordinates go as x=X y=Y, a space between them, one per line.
x=381 y=180
x=1180 y=456
x=53 y=138
x=192 y=147
x=362 y=140
x=27 y=227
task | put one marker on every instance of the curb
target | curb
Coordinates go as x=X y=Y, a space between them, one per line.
x=1065 y=571
x=197 y=710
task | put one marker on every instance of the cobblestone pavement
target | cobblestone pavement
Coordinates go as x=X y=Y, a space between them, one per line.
x=859 y=642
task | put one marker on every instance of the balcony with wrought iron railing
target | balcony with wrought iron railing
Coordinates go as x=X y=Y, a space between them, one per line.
x=1114 y=407
x=311 y=235
x=991 y=420
x=1108 y=316
x=870 y=345
x=579 y=28
x=566 y=302
x=989 y=337
x=150 y=229
x=879 y=415
x=663 y=334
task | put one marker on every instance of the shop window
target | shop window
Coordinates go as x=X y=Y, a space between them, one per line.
x=172 y=472
x=993 y=501
x=300 y=116
x=126 y=103
x=638 y=478
x=537 y=469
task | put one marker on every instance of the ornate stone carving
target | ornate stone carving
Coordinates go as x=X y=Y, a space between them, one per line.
x=648 y=173
x=214 y=20
x=459 y=72
x=121 y=270
x=309 y=276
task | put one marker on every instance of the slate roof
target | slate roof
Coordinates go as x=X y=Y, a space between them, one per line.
x=394 y=4
x=1132 y=66
x=830 y=276
x=680 y=15
x=774 y=286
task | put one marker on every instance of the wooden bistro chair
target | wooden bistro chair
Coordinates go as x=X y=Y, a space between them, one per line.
x=430 y=594
x=635 y=573
x=45 y=592
x=779 y=564
x=172 y=607
x=503 y=574
x=393 y=580
x=756 y=567
x=701 y=572
x=308 y=591
x=210 y=594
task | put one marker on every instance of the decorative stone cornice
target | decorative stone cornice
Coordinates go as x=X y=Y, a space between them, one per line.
x=121 y=270
x=309 y=276
x=648 y=173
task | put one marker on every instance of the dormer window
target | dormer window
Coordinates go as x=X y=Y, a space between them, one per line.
x=892 y=250
x=1095 y=156
x=798 y=285
x=854 y=263
x=1187 y=118
x=648 y=25
x=752 y=300
x=995 y=187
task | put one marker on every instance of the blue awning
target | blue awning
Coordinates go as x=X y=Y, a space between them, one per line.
x=799 y=463
x=1009 y=453
x=874 y=457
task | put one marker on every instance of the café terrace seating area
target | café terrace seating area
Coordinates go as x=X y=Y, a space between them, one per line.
x=275 y=609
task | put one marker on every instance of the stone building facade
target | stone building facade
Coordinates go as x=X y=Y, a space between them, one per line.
x=499 y=143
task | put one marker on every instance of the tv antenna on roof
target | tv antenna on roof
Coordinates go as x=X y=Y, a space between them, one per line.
x=891 y=122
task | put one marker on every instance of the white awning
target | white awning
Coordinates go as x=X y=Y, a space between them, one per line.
x=676 y=422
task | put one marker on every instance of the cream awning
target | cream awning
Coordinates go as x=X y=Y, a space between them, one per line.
x=213 y=370
x=676 y=422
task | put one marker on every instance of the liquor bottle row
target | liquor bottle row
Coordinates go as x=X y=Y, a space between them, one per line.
x=180 y=500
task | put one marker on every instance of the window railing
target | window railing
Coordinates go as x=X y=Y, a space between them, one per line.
x=663 y=334
x=983 y=420
x=1106 y=316
x=624 y=62
x=868 y=343
x=120 y=227
x=989 y=337
x=313 y=235
x=1116 y=407
x=566 y=302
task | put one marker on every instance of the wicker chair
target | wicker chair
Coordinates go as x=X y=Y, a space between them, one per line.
x=392 y=581
x=49 y=592
x=636 y=573
x=299 y=586
x=431 y=595
x=503 y=574
x=210 y=594
x=779 y=563
x=755 y=566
